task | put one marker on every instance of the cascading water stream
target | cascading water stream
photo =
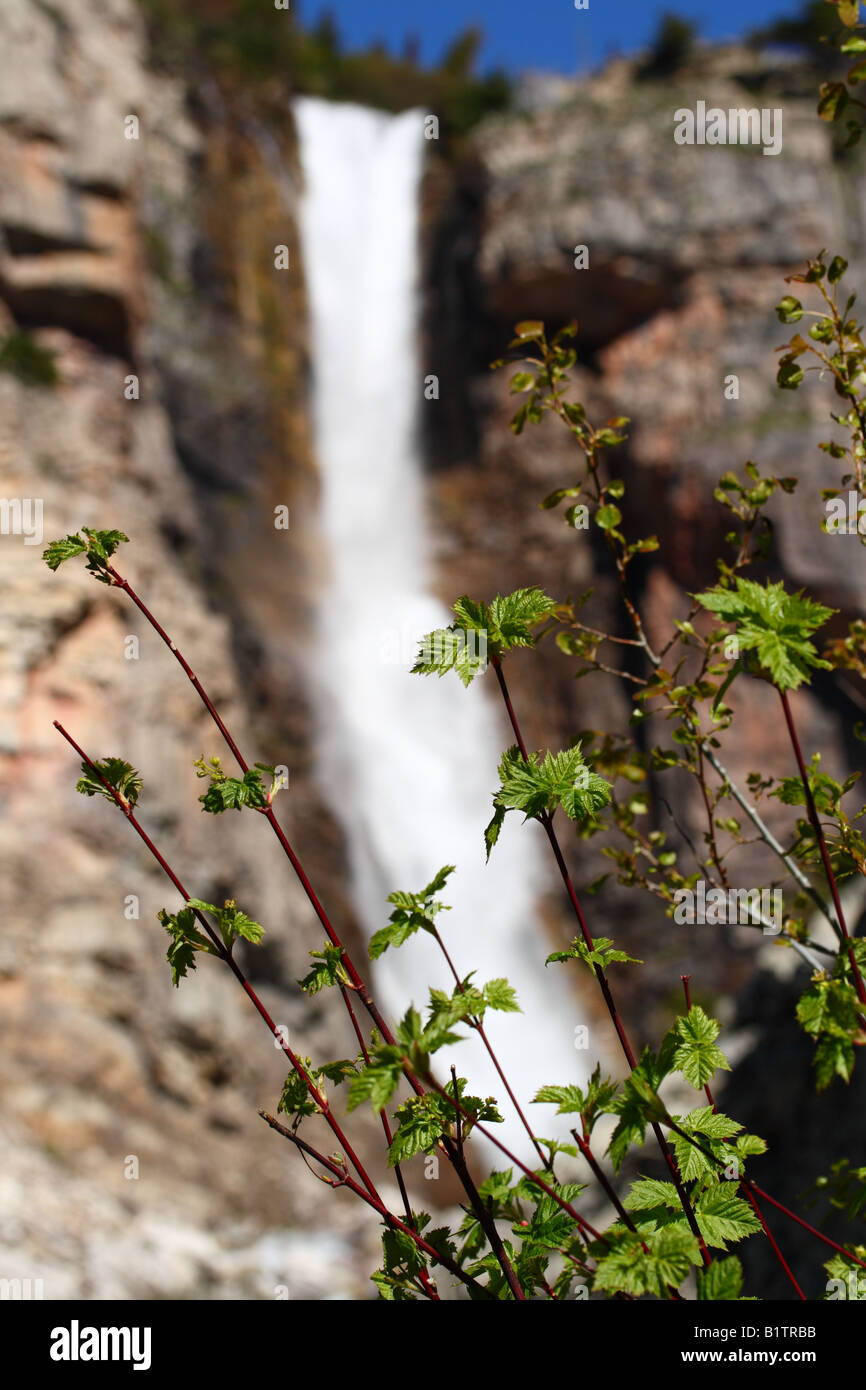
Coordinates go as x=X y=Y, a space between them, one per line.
x=407 y=763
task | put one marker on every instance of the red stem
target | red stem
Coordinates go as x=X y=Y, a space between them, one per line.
x=479 y=1028
x=749 y=1195
x=233 y=966
x=533 y=1177
x=748 y=1182
x=398 y=1172
x=547 y=822
x=344 y=1180
x=822 y=844
x=792 y=1216
x=320 y=1100
x=357 y=982
x=768 y=1233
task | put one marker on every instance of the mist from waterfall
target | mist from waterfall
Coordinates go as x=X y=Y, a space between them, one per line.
x=407 y=763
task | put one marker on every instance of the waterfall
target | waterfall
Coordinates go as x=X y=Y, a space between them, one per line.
x=407 y=763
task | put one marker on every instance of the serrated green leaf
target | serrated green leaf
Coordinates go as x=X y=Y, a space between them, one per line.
x=230 y=793
x=186 y=941
x=57 y=552
x=413 y=912
x=721 y=1281
x=328 y=970
x=120 y=775
x=647 y=1193
x=772 y=624
x=697 y=1055
x=722 y=1216
x=603 y=954
x=541 y=784
x=500 y=995
x=625 y=1267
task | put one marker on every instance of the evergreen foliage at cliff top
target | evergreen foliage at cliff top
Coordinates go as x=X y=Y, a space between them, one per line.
x=806 y=31
x=249 y=45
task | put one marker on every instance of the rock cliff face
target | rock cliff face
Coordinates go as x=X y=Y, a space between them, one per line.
x=153 y=258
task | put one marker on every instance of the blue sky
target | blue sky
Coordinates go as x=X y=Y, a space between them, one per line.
x=538 y=33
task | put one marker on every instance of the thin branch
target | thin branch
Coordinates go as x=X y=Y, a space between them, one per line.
x=547 y=822
x=822 y=843
x=768 y=837
x=398 y=1172
x=759 y=1191
x=225 y=955
x=357 y=982
x=749 y=1195
x=551 y=1192
x=344 y=1180
x=478 y=1026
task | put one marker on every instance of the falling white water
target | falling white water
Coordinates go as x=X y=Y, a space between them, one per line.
x=408 y=763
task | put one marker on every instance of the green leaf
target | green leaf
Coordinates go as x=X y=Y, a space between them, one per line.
x=421 y=1122
x=836 y=269
x=232 y=921
x=491 y=833
x=772 y=624
x=465 y=1001
x=722 y=1216
x=594 y=1100
x=296 y=1099
x=118 y=774
x=603 y=954
x=499 y=995
x=829 y=1012
x=647 y=1193
x=849 y=11
x=789 y=309
x=562 y=779
x=553 y=499
x=522 y=381
x=834 y=99
x=99 y=547
x=328 y=970
x=568 y=1099
x=636 y=1103
x=833 y=1057
x=624 y=1267
x=186 y=940
x=608 y=517
x=515 y=615
x=60 y=551
x=230 y=793
x=378 y=1081
x=412 y=912
x=457 y=648
x=789 y=375
x=503 y=625
x=721 y=1281
x=709 y=1128
x=842 y=1268
x=697 y=1055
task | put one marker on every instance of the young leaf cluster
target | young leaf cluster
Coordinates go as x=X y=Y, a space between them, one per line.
x=483 y=631
x=98 y=546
